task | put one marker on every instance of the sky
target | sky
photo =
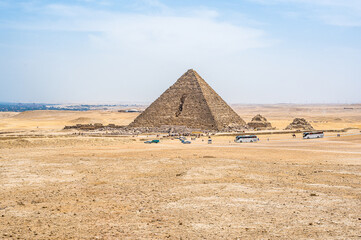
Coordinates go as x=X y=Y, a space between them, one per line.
x=249 y=51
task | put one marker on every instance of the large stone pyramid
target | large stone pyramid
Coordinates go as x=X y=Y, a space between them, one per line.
x=189 y=102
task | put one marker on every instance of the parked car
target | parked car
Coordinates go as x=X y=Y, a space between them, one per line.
x=152 y=141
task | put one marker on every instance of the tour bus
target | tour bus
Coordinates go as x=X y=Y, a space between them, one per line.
x=246 y=138
x=310 y=135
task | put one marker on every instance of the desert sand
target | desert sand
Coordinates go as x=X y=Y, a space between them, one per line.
x=58 y=185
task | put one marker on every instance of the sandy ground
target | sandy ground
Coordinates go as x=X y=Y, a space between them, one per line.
x=81 y=187
x=56 y=120
x=320 y=116
x=280 y=115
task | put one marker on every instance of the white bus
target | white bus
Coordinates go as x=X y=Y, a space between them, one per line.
x=246 y=138
x=310 y=135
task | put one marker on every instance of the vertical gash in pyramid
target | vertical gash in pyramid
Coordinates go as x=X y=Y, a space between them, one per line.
x=189 y=102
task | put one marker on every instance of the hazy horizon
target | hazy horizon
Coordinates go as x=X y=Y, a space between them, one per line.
x=249 y=51
x=148 y=103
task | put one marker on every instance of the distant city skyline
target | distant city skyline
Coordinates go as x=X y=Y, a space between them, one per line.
x=249 y=51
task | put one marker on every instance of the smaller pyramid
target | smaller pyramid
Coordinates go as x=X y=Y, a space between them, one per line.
x=299 y=124
x=259 y=122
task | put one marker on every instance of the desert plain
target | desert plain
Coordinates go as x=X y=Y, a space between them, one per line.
x=57 y=184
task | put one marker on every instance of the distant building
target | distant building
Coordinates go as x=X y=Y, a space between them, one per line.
x=129 y=110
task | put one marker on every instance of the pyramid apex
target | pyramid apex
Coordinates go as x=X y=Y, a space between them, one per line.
x=192 y=72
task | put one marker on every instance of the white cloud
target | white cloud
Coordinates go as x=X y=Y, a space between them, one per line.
x=164 y=33
x=333 y=12
x=75 y=53
x=334 y=3
x=125 y=50
x=341 y=20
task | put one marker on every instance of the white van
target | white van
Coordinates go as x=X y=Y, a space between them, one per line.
x=246 y=138
x=310 y=135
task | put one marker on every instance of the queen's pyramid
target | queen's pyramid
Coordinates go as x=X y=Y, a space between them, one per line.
x=189 y=102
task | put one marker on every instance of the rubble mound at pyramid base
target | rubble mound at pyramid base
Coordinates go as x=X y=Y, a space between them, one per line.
x=180 y=130
x=299 y=124
x=113 y=129
x=260 y=123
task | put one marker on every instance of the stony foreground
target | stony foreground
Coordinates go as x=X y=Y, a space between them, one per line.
x=121 y=188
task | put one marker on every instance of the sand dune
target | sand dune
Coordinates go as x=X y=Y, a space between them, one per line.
x=56 y=120
x=84 y=120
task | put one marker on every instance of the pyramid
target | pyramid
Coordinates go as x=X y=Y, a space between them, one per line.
x=259 y=122
x=299 y=124
x=189 y=102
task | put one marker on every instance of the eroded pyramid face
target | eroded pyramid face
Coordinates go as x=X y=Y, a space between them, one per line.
x=189 y=102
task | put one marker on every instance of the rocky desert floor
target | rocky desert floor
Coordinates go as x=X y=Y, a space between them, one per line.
x=57 y=185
